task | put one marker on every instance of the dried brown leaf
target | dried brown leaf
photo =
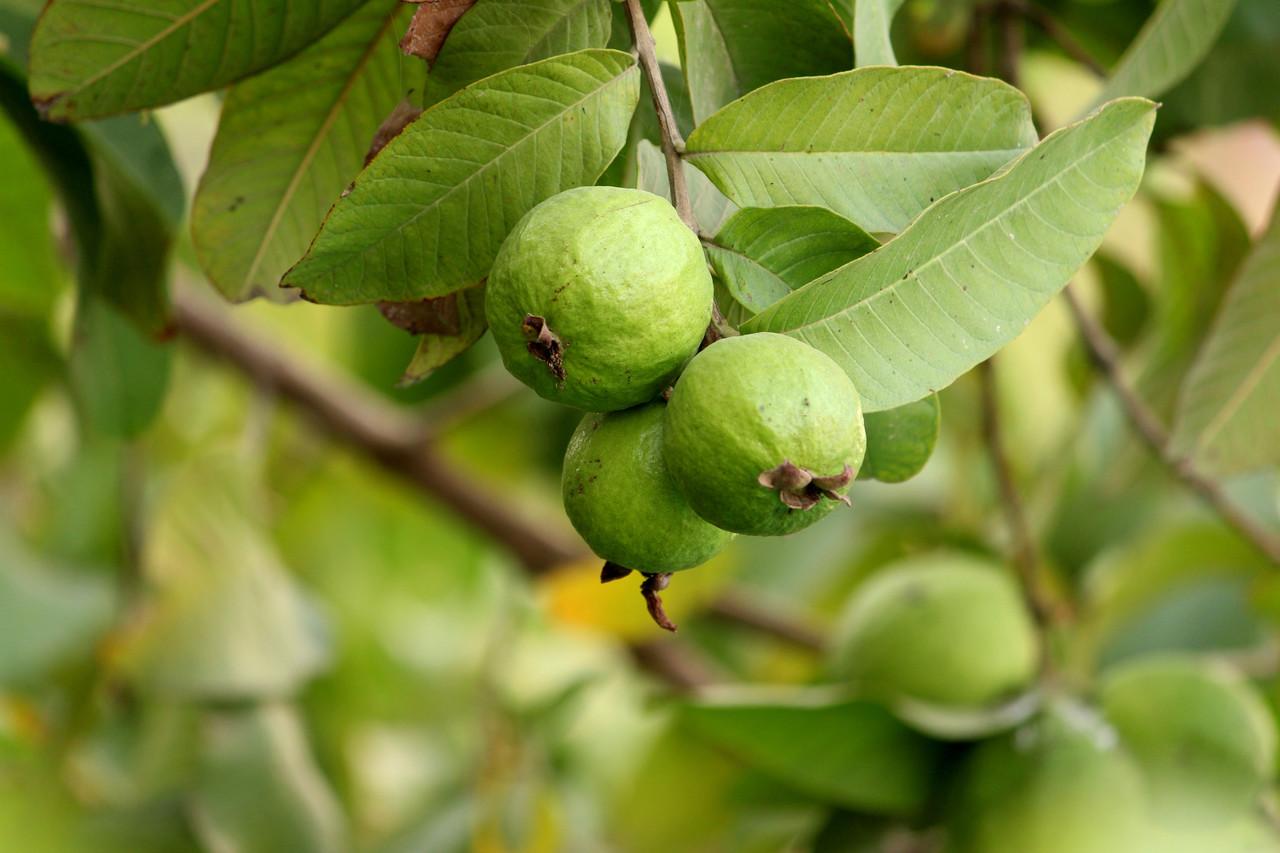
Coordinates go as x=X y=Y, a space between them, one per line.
x=430 y=26
x=435 y=316
x=400 y=117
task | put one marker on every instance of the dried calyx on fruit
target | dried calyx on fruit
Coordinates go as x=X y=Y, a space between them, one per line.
x=620 y=498
x=764 y=434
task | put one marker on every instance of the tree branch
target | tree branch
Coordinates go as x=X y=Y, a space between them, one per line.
x=740 y=610
x=1060 y=35
x=1106 y=357
x=397 y=441
x=672 y=142
x=1025 y=559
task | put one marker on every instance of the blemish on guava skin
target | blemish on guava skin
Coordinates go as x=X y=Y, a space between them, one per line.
x=545 y=345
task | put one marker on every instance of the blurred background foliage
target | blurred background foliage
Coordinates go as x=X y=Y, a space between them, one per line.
x=221 y=630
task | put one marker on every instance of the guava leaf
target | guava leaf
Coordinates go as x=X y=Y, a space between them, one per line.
x=258 y=787
x=428 y=214
x=847 y=752
x=46 y=613
x=730 y=47
x=118 y=375
x=28 y=362
x=710 y=207
x=90 y=58
x=1229 y=409
x=32 y=278
x=289 y=141
x=1170 y=45
x=223 y=620
x=901 y=440
x=761 y=254
x=871 y=22
x=436 y=349
x=499 y=34
x=875 y=145
x=967 y=276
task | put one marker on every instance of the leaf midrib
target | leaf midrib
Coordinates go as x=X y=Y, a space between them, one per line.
x=717 y=152
x=456 y=187
x=990 y=222
x=331 y=117
x=1237 y=399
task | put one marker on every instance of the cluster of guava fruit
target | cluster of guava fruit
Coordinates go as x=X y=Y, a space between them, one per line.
x=600 y=298
x=1167 y=753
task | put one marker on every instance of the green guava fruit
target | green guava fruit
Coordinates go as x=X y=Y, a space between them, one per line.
x=1201 y=732
x=1058 y=785
x=764 y=434
x=943 y=629
x=621 y=500
x=598 y=297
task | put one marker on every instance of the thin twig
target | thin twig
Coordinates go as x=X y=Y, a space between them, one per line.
x=1011 y=38
x=680 y=665
x=740 y=610
x=672 y=142
x=1060 y=35
x=395 y=440
x=1025 y=558
x=1106 y=357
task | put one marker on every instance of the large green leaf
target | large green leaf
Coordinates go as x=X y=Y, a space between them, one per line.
x=1229 y=409
x=730 y=47
x=427 y=216
x=967 y=276
x=118 y=376
x=258 y=788
x=122 y=195
x=871 y=22
x=763 y=253
x=876 y=145
x=495 y=35
x=1169 y=46
x=290 y=141
x=28 y=363
x=850 y=753
x=224 y=620
x=46 y=614
x=901 y=440
x=92 y=58
x=31 y=278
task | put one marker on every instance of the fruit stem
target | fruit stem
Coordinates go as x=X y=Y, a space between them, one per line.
x=654 y=584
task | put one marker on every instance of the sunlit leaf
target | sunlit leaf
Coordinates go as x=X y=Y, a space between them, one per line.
x=970 y=273
x=1229 y=411
x=90 y=58
x=224 y=620
x=47 y=614
x=427 y=216
x=875 y=145
x=871 y=23
x=259 y=789
x=1169 y=46
x=289 y=141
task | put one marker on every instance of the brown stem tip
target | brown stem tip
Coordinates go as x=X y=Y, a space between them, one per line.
x=611 y=571
x=799 y=488
x=544 y=345
x=654 y=584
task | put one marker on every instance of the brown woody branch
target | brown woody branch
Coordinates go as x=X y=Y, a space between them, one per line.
x=398 y=442
x=672 y=142
x=1025 y=558
x=1105 y=355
